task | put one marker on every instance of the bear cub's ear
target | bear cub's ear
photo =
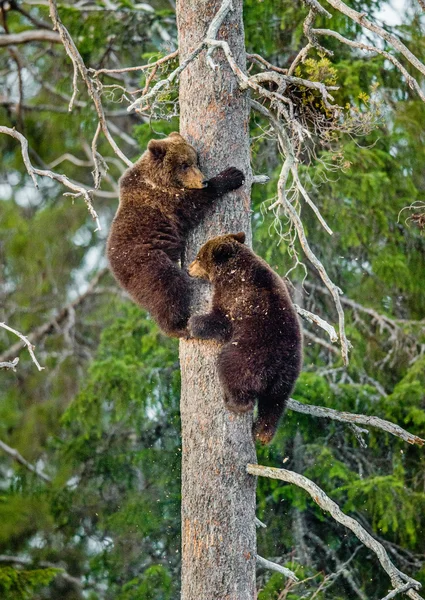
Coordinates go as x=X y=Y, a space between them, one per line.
x=239 y=237
x=157 y=148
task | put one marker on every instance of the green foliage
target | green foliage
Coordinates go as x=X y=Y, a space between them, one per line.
x=154 y=585
x=21 y=585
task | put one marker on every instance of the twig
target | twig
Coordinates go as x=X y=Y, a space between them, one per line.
x=272 y=566
x=44 y=329
x=346 y=417
x=397 y=577
x=26 y=342
x=21 y=460
x=32 y=171
x=157 y=63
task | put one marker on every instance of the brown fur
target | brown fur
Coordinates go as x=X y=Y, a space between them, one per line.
x=253 y=314
x=162 y=196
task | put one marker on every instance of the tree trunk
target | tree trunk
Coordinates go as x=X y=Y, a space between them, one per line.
x=218 y=497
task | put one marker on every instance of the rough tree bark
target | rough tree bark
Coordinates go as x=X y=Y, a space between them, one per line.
x=218 y=497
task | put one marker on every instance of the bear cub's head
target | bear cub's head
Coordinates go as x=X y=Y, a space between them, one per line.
x=173 y=163
x=215 y=254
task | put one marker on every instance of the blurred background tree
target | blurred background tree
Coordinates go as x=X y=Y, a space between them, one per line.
x=101 y=422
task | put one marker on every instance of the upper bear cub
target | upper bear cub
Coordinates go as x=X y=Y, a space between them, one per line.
x=162 y=196
x=253 y=313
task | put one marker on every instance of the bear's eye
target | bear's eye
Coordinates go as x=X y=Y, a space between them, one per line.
x=185 y=167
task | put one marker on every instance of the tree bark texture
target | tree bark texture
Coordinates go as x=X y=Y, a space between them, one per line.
x=218 y=497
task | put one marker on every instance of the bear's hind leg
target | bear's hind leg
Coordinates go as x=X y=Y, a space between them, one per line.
x=240 y=383
x=164 y=290
x=271 y=405
x=172 y=314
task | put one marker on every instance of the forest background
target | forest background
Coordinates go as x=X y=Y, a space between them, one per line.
x=101 y=421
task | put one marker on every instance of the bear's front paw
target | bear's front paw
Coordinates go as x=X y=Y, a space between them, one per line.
x=232 y=178
x=195 y=326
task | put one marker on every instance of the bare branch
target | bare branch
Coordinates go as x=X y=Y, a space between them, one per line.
x=9 y=364
x=299 y=58
x=25 y=37
x=26 y=342
x=38 y=333
x=316 y=6
x=157 y=63
x=261 y=179
x=346 y=417
x=400 y=590
x=257 y=58
x=272 y=566
x=392 y=39
x=321 y=342
x=32 y=171
x=312 y=318
x=78 y=63
x=318 y=495
x=22 y=461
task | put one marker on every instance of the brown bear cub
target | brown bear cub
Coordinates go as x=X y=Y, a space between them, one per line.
x=162 y=196
x=253 y=314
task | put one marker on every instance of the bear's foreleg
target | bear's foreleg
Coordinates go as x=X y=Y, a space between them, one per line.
x=195 y=203
x=212 y=326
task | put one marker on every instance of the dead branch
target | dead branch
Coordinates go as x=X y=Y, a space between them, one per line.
x=346 y=417
x=32 y=171
x=258 y=59
x=26 y=37
x=79 y=66
x=312 y=318
x=27 y=344
x=9 y=365
x=272 y=566
x=51 y=325
x=22 y=461
x=321 y=342
x=392 y=39
x=152 y=65
x=398 y=578
x=400 y=590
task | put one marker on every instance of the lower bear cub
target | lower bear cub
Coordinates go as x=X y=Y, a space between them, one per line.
x=162 y=196
x=253 y=313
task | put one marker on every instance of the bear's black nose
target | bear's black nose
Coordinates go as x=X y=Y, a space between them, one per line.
x=205 y=183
